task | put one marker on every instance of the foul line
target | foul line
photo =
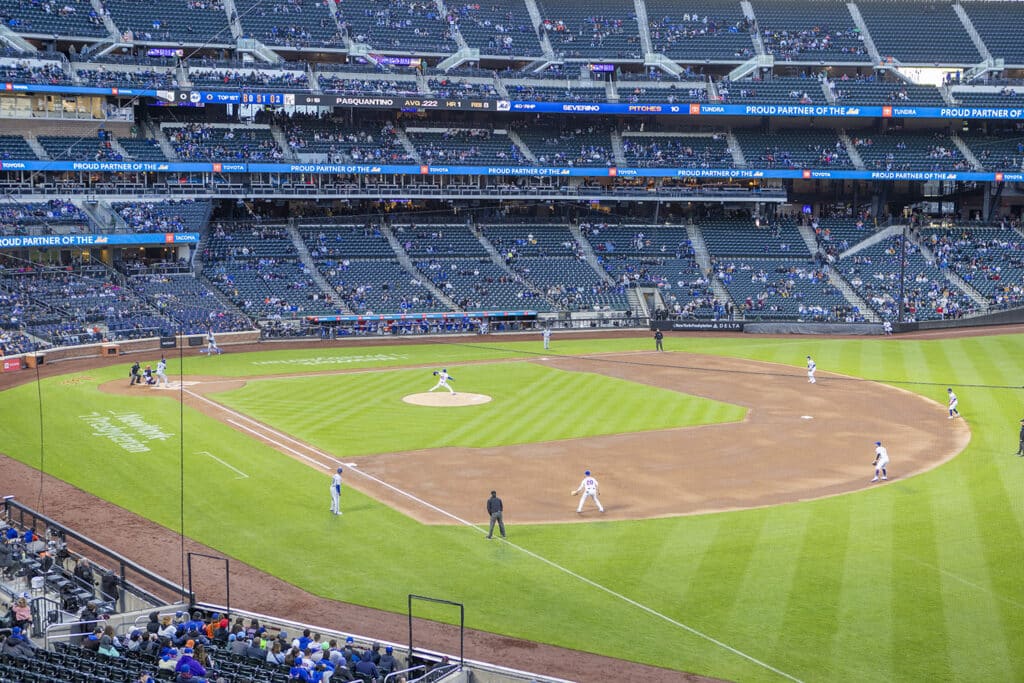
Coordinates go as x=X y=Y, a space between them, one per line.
x=530 y=553
x=230 y=467
x=966 y=582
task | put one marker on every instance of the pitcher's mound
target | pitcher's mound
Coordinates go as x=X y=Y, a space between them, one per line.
x=446 y=400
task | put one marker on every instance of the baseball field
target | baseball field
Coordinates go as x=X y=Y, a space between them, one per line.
x=742 y=538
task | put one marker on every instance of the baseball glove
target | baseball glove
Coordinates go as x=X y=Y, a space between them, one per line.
x=435 y=373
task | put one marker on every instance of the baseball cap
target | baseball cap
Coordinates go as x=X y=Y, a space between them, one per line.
x=16 y=631
x=389 y=649
x=878 y=443
x=587 y=473
x=339 y=469
x=186 y=650
x=350 y=639
x=231 y=637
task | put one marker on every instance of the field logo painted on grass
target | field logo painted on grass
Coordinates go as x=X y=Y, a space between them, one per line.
x=330 y=360
x=130 y=431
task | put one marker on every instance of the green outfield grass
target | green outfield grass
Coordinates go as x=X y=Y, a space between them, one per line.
x=915 y=580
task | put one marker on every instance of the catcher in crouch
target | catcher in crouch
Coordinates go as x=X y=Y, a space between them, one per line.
x=442 y=380
x=589 y=488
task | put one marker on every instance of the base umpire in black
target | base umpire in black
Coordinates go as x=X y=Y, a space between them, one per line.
x=494 y=509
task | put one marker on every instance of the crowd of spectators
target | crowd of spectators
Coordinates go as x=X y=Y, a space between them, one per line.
x=445 y=87
x=355 y=86
x=168 y=216
x=15 y=216
x=383 y=23
x=676 y=152
x=669 y=31
x=23 y=72
x=247 y=80
x=200 y=142
x=616 y=34
x=341 y=143
x=812 y=43
x=108 y=78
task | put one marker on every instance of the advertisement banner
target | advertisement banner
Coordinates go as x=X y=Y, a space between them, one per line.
x=108 y=240
x=697 y=325
x=12 y=364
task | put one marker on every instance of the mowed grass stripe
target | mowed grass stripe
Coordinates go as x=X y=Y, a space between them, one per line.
x=965 y=549
x=864 y=615
x=916 y=592
x=811 y=611
x=531 y=403
x=770 y=584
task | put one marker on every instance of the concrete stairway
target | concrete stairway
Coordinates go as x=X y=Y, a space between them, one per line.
x=403 y=258
x=618 y=151
x=644 y=26
x=851 y=150
x=536 y=20
x=307 y=260
x=703 y=256
x=518 y=142
x=966 y=151
x=869 y=43
x=836 y=279
x=407 y=144
x=807 y=234
x=499 y=260
x=588 y=254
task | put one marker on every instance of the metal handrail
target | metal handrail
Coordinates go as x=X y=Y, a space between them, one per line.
x=395 y=675
x=9 y=502
x=69 y=635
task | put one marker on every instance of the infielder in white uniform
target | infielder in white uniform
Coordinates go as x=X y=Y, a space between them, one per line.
x=211 y=344
x=881 y=461
x=589 y=488
x=336 y=492
x=811 y=367
x=161 y=373
x=442 y=380
x=547 y=338
x=953 y=401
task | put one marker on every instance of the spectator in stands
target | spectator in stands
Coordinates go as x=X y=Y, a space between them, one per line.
x=17 y=645
x=92 y=642
x=236 y=645
x=366 y=667
x=188 y=666
x=22 y=613
x=254 y=650
x=388 y=664
x=275 y=655
x=107 y=647
x=109 y=586
x=83 y=572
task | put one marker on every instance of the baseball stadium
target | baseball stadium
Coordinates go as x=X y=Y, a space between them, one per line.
x=393 y=341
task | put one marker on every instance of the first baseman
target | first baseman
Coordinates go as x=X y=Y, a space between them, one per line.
x=547 y=338
x=589 y=488
x=811 y=367
x=211 y=344
x=442 y=380
x=336 y=492
x=881 y=461
x=953 y=401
